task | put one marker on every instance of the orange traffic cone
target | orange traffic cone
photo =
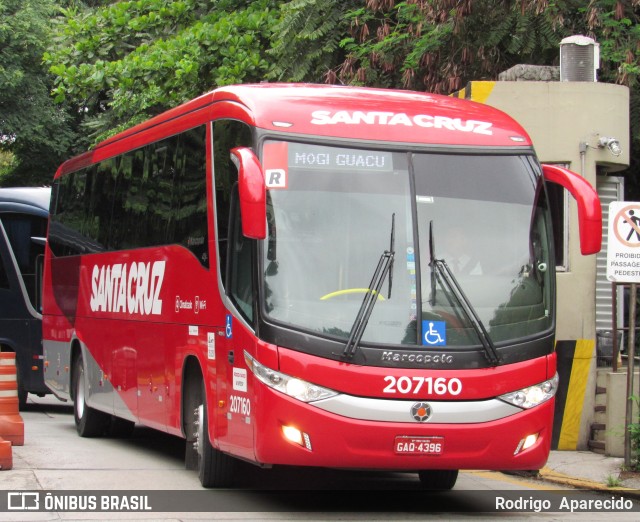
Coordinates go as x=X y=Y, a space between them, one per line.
x=11 y=423
x=6 y=457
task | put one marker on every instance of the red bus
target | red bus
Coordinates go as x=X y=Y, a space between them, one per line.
x=312 y=276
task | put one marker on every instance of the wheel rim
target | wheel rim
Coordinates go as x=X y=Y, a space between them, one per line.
x=80 y=393
x=199 y=432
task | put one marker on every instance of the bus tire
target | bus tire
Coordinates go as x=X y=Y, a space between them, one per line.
x=215 y=468
x=22 y=392
x=438 y=479
x=22 y=396
x=89 y=421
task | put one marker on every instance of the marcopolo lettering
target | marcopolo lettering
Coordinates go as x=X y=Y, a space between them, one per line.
x=417 y=358
x=127 y=288
x=400 y=118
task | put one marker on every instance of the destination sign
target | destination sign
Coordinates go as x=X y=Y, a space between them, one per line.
x=334 y=158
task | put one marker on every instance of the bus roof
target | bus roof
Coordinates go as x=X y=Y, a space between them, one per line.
x=359 y=113
x=378 y=114
x=29 y=200
x=329 y=111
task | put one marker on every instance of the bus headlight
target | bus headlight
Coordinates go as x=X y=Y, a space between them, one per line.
x=533 y=395
x=297 y=388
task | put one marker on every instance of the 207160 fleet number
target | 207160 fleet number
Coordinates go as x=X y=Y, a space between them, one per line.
x=429 y=385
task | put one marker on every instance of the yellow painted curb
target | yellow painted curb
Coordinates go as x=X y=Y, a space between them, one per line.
x=560 y=478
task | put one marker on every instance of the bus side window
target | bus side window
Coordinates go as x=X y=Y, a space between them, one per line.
x=239 y=281
x=190 y=164
x=19 y=229
x=227 y=134
x=4 y=278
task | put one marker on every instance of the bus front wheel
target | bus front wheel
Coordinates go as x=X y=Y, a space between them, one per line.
x=215 y=468
x=438 y=479
x=89 y=422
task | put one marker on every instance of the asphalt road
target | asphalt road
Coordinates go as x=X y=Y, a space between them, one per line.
x=57 y=467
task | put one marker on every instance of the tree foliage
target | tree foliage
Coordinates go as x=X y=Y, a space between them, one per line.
x=440 y=45
x=306 y=43
x=35 y=134
x=126 y=61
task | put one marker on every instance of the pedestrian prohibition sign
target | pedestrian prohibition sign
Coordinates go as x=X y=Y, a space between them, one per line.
x=623 y=247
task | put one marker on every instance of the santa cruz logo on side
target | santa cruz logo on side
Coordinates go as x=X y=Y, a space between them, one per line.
x=400 y=118
x=127 y=288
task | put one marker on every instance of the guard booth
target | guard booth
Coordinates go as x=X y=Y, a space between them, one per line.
x=584 y=126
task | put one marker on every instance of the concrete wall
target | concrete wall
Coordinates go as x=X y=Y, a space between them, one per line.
x=617 y=410
x=565 y=121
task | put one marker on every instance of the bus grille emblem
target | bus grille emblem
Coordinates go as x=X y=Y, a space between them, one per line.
x=421 y=411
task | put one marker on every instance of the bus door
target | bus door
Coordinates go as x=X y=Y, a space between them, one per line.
x=235 y=418
x=21 y=252
x=235 y=411
x=13 y=312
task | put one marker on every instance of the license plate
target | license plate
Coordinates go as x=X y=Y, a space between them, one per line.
x=405 y=445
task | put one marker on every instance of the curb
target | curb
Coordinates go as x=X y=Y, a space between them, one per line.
x=559 y=478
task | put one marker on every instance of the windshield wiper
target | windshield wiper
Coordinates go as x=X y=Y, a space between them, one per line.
x=385 y=266
x=432 y=256
x=440 y=267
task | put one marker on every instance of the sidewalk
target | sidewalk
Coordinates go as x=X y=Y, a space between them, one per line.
x=588 y=470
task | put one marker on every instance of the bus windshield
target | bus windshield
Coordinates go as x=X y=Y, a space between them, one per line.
x=481 y=218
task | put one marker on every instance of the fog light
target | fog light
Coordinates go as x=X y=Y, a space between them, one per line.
x=292 y=434
x=295 y=435
x=529 y=441
x=526 y=443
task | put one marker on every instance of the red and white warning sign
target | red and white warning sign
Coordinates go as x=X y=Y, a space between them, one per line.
x=623 y=248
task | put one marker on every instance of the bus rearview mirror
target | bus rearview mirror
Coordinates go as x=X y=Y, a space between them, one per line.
x=589 y=208
x=252 y=192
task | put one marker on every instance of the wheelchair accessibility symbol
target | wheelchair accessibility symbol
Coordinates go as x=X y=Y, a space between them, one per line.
x=434 y=333
x=228 y=330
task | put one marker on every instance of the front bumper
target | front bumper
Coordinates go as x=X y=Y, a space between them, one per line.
x=341 y=441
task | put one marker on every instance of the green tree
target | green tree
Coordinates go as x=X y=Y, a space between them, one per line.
x=34 y=133
x=126 y=61
x=7 y=161
x=440 y=45
x=306 y=43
